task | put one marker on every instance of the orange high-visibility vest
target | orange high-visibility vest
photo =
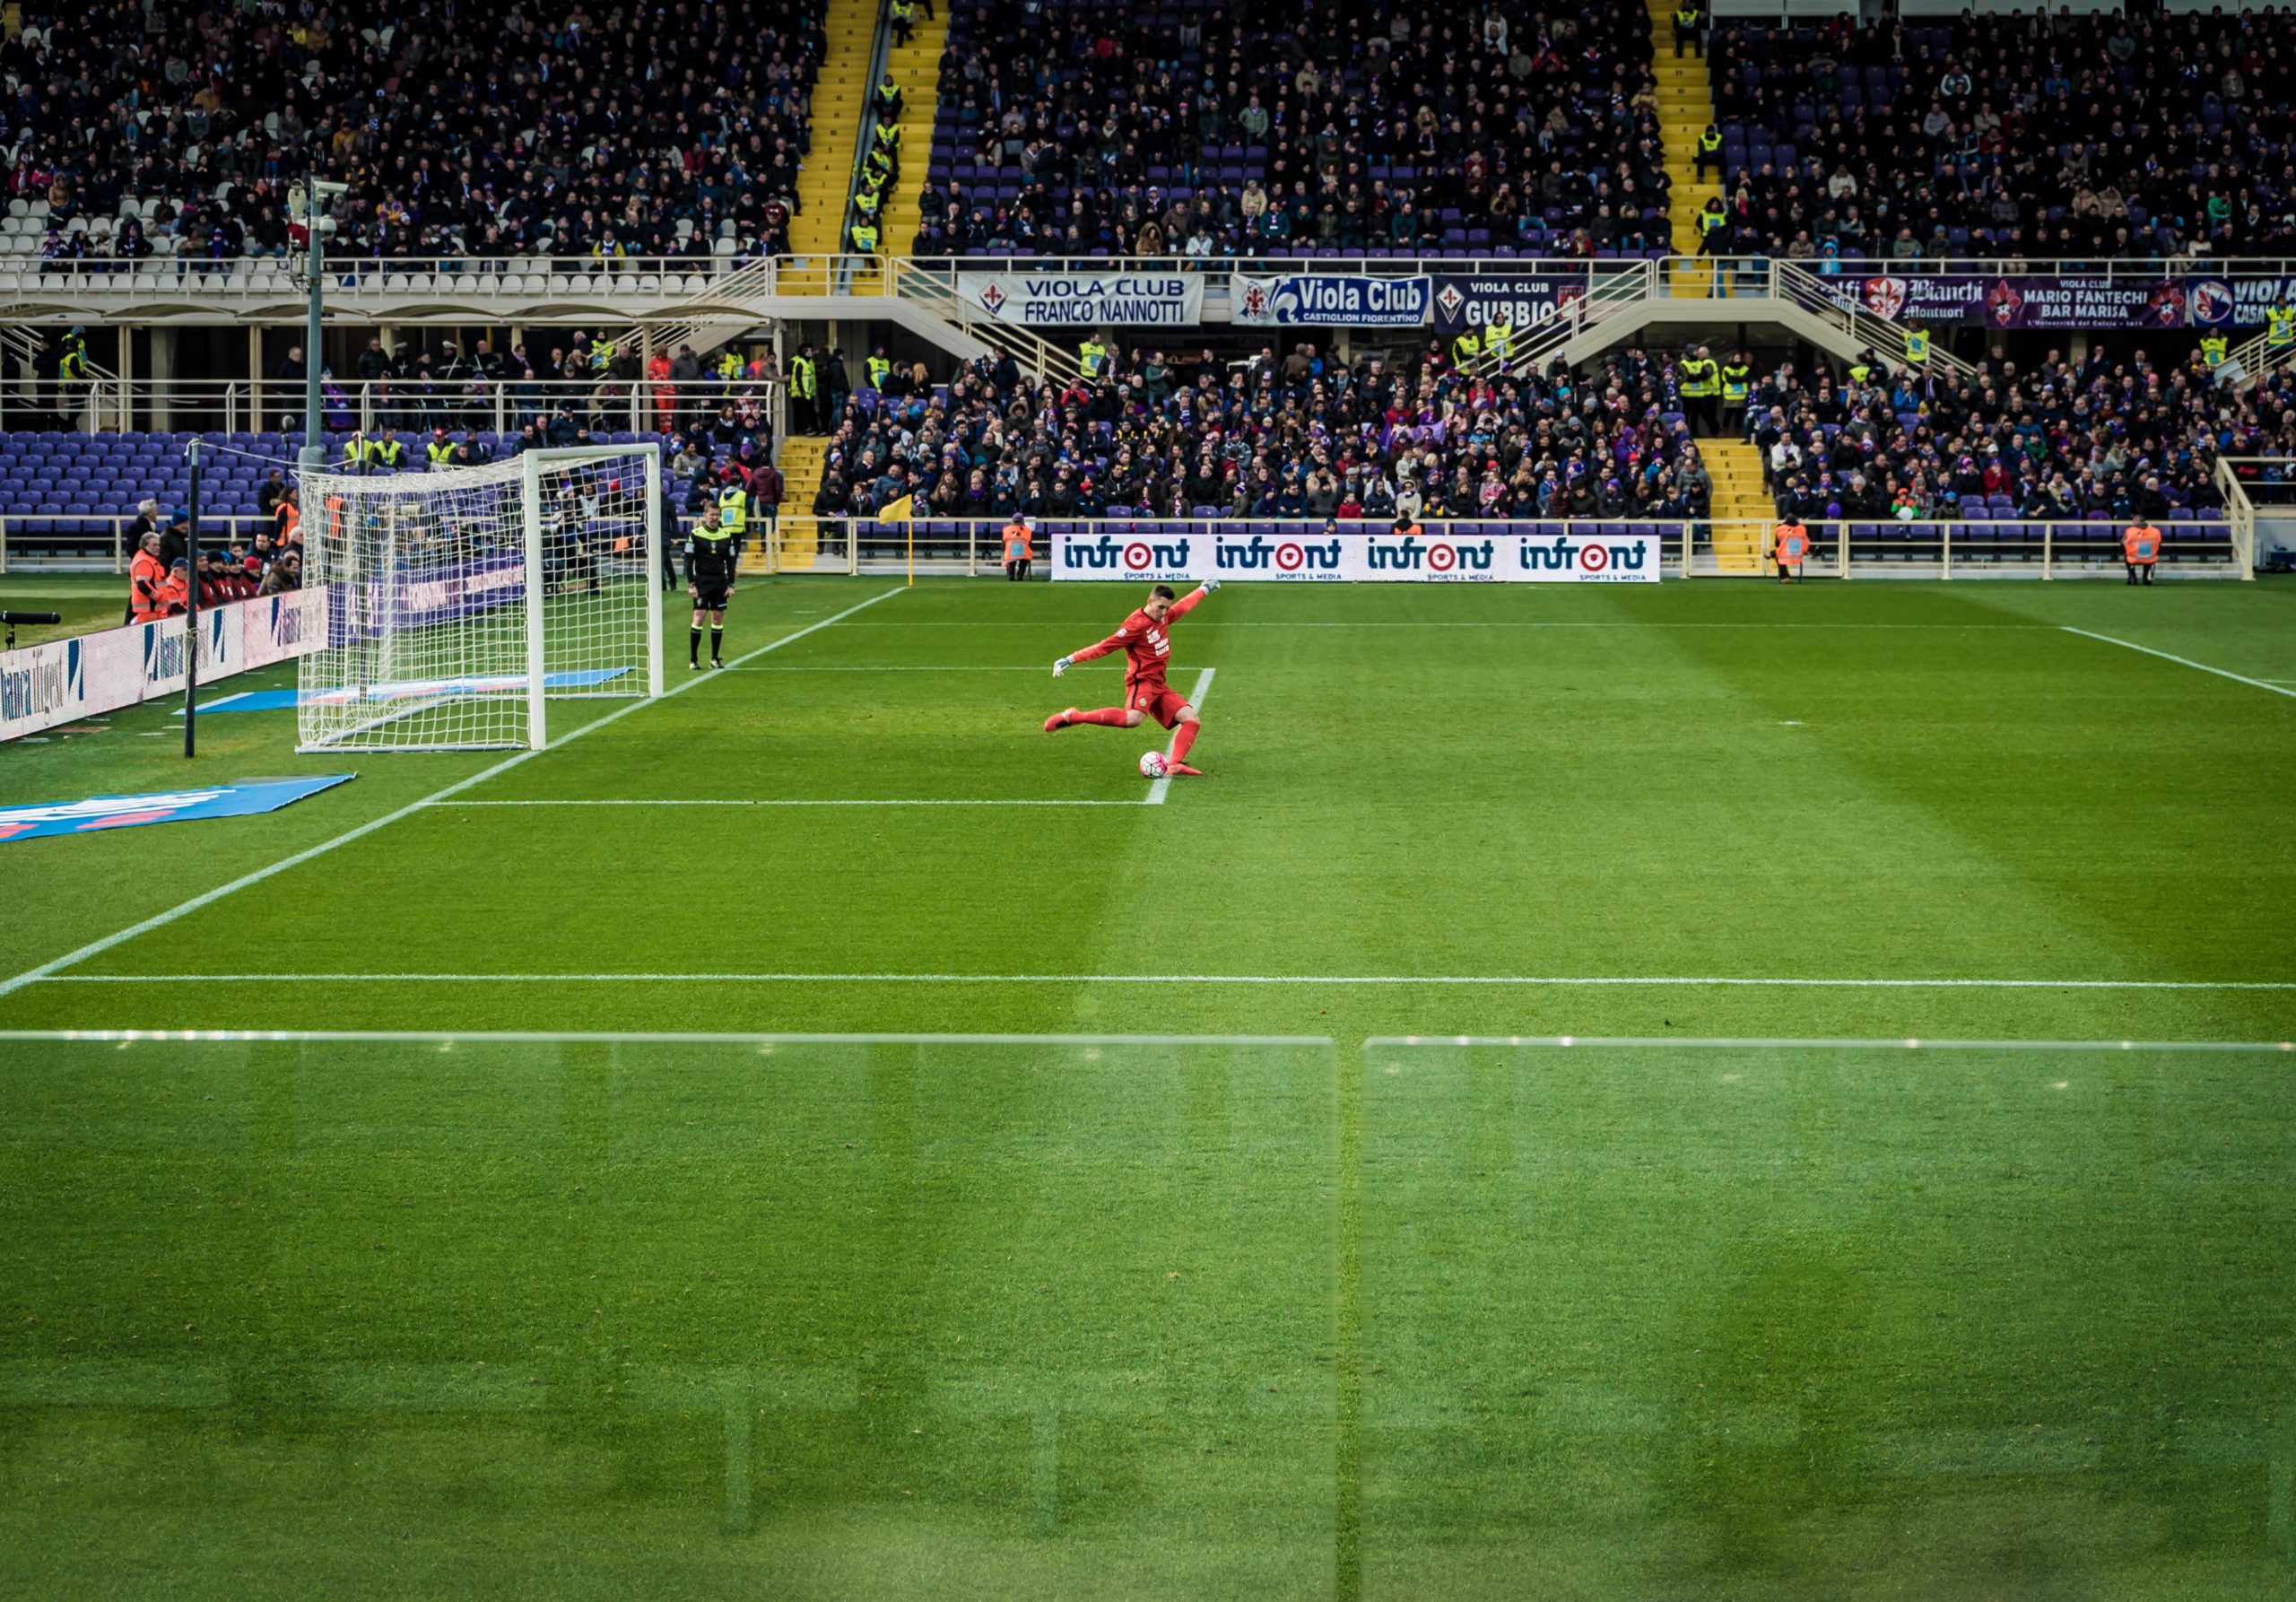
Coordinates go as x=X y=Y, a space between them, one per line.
x=2142 y=543
x=1793 y=544
x=1016 y=543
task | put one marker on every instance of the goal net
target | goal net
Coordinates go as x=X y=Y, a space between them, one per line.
x=461 y=601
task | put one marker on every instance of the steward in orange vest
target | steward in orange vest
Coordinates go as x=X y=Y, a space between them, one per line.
x=145 y=578
x=1020 y=550
x=2140 y=544
x=1790 y=547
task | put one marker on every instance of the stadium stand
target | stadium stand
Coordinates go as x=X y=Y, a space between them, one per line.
x=2002 y=137
x=1388 y=130
x=2098 y=442
x=539 y=132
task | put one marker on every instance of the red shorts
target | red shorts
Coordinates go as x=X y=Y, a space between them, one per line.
x=1158 y=701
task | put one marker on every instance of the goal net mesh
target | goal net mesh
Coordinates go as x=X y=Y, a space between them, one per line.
x=430 y=597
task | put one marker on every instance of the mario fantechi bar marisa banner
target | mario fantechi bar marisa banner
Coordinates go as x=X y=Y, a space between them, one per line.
x=1189 y=553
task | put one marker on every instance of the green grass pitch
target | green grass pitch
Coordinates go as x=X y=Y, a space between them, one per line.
x=1313 y=1302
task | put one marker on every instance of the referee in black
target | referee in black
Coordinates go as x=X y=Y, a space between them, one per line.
x=711 y=552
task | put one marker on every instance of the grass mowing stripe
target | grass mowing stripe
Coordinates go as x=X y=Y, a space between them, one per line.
x=2238 y=678
x=1592 y=981
x=1163 y=786
x=1761 y=1042
x=207 y=898
x=934 y=802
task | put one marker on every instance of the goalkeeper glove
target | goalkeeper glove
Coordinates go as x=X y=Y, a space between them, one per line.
x=1062 y=666
x=1210 y=585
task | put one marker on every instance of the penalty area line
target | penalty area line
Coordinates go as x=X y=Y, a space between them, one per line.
x=161 y=920
x=1163 y=786
x=2276 y=688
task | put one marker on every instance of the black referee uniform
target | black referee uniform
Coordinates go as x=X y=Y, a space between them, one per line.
x=712 y=552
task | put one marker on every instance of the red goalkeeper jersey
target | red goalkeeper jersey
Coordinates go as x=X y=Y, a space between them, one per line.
x=1146 y=644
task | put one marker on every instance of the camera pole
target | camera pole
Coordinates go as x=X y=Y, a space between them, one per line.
x=191 y=615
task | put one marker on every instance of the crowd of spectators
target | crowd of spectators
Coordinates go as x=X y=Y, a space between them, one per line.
x=1384 y=127
x=487 y=132
x=2005 y=137
x=2062 y=438
x=235 y=568
x=1300 y=436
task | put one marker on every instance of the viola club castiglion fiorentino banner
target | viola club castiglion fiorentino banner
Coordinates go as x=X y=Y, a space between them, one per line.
x=1155 y=555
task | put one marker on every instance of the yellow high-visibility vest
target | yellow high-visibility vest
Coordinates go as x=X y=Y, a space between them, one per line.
x=734 y=508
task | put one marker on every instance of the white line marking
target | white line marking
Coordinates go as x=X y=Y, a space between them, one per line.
x=791 y=803
x=2182 y=661
x=1526 y=981
x=524 y=1037
x=1163 y=786
x=993 y=622
x=1737 y=1042
x=207 y=898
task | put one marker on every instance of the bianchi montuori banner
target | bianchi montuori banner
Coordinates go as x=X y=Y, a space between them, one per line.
x=1157 y=553
x=1087 y=300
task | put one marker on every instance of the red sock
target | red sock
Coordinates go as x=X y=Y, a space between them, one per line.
x=1111 y=715
x=1182 y=738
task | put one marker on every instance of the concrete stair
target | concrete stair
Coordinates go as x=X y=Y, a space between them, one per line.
x=826 y=179
x=1744 y=511
x=1685 y=106
x=802 y=457
x=916 y=66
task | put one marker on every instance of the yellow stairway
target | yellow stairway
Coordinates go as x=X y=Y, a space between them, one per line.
x=826 y=179
x=801 y=480
x=1685 y=106
x=916 y=66
x=1743 y=512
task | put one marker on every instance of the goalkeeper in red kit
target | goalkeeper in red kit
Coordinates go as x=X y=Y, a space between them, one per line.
x=1146 y=640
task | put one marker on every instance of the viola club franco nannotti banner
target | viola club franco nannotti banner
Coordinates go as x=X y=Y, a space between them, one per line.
x=1207 y=550
x=1088 y=299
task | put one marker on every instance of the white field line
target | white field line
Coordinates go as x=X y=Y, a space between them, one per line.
x=1008 y=622
x=1739 y=1042
x=542 y=1037
x=1163 y=786
x=208 y=898
x=2277 y=688
x=1454 y=979
x=790 y=803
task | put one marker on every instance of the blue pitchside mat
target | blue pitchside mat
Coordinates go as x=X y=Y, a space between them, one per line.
x=167 y=806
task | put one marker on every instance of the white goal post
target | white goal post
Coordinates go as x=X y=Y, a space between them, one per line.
x=462 y=601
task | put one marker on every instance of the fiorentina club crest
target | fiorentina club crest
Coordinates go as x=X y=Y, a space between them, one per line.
x=1448 y=301
x=993 y=297
x=1885 y=297
x=1255 y=303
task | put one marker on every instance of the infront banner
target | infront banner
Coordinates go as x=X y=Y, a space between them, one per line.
x=1087 y=300
x=1332 y=299
x=63 y=681
x=1476 y=300
x=1208 y=551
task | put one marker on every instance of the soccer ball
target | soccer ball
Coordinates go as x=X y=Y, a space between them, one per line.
x=1151 y=764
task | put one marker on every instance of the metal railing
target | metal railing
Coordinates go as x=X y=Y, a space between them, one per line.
x=933 y=284
x=1885 y=338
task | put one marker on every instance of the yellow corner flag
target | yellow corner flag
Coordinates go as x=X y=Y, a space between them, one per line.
x=903 y=511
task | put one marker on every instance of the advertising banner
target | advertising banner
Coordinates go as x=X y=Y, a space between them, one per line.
x=2030 y=300
x=1244 y=553
x=2236 y=302
x=99 y=813
x=1087 y=300
x=1332 y=299
x=1476 y=300
x=63 y=681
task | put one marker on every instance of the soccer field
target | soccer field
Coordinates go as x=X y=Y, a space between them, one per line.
x=1303 y=1298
